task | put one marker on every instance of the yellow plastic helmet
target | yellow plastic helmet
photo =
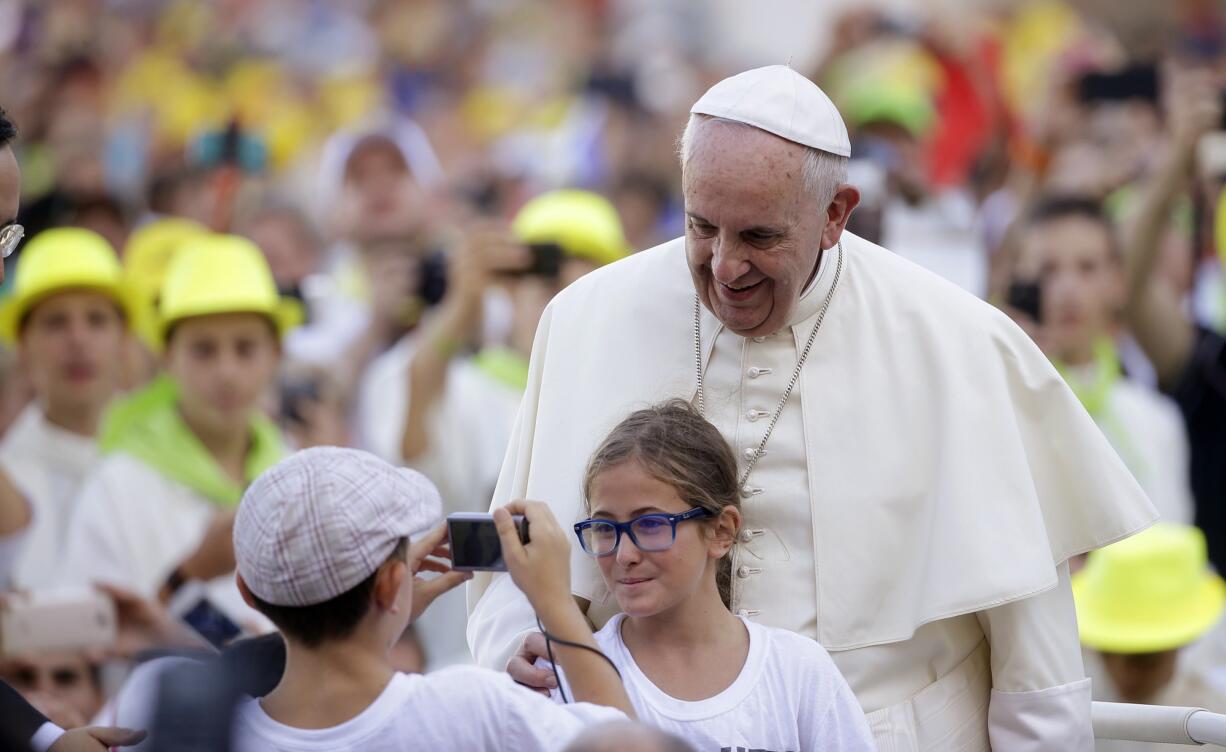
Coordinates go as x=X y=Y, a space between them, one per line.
x=145 y=258
x=1149 y=593
x=61 y=259
x=584 y=224
x=222 y=274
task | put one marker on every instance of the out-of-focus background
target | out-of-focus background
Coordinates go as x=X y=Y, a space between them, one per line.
x=1064 y=160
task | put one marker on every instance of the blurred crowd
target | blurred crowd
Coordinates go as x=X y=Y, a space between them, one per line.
x=402 y=185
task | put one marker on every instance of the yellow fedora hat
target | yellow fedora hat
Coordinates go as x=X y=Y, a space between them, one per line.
x=1149 y=593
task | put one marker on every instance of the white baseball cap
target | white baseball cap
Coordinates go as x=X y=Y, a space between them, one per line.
x=779 y=100
x=321 y=521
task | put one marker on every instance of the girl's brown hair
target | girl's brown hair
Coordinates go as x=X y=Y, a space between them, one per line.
x=675 y=445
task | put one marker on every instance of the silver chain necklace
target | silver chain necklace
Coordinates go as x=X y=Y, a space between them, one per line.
x=800 y=363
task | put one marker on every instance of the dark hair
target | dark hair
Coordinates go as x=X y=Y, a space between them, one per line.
x=676 y=446
x=1056 y=207
x=8 y=131
x=334 y=619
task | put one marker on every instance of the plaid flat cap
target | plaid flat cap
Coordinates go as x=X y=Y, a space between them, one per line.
x=318 y=523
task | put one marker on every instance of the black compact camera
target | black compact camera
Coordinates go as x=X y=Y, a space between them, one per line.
x=475 y=546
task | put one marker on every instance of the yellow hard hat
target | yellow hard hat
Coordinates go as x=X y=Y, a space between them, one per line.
x=146 y=256
x=222 y=274
x=62 y=259
x=584 y=224
x=1149 y=593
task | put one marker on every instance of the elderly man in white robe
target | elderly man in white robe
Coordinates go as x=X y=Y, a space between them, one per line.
x=915 y=473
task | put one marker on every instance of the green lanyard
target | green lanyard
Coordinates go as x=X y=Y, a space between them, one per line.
x=1095 y=396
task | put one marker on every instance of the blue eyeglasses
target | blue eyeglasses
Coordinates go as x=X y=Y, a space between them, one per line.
x=651 y=532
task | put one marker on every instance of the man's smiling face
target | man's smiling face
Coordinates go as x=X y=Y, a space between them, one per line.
x=753 y=233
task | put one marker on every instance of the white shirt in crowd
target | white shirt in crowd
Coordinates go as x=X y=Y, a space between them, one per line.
x=788 y=696
x=460 y=708
x=133 y=526
x=47 y=464
x=1147 y=431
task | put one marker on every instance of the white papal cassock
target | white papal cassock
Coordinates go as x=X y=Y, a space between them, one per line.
x=915 y=508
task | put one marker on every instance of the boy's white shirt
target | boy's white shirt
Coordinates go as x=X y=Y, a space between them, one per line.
x=133 y=526
x=47 y=464
x=788 y=695
x=460 y=708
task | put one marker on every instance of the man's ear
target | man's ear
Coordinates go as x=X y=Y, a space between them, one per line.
x=724 y=529
x=388 y=581
x=244 y=591
x=845 y=199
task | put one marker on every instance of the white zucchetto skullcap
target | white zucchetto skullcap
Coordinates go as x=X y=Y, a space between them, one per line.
x=779 y=100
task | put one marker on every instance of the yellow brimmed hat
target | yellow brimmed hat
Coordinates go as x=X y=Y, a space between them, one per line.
x=1149 y=593
x=582 y=223
x=146 y=256
x=62 y=259
x=222 y=274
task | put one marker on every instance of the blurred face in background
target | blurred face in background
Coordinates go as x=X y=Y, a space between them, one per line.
x=1139 y=677
x=224 y=363
x=291 y=249
x=70 y=347
x=1080 y=281
x=380 y=198
x=64 y=686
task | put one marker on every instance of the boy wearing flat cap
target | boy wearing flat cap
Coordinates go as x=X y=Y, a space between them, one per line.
x=328 y=543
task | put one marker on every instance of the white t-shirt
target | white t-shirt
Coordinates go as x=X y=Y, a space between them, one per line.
x=461 y=708
x=788 y=696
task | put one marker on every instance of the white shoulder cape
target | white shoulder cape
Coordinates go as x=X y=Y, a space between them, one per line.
x=950 y=467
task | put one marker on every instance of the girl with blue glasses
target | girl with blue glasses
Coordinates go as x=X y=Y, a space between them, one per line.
x=663 y=517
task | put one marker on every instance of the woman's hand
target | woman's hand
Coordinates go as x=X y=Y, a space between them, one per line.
x=541 y=568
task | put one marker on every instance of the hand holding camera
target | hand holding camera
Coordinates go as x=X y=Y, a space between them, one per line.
x=540 y=568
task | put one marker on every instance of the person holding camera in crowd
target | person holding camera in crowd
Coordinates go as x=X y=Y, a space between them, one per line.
x=443 y=400
x=157 y=510
x=1070 y=276
x=329 y=543
x=1189 y=357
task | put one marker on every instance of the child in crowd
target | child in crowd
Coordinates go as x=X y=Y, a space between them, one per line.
x=180 y=451
x=662 y=497
x=328 y=544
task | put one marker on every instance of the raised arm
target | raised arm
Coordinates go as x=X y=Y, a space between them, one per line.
x=1153 y=310
x=483 y=251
